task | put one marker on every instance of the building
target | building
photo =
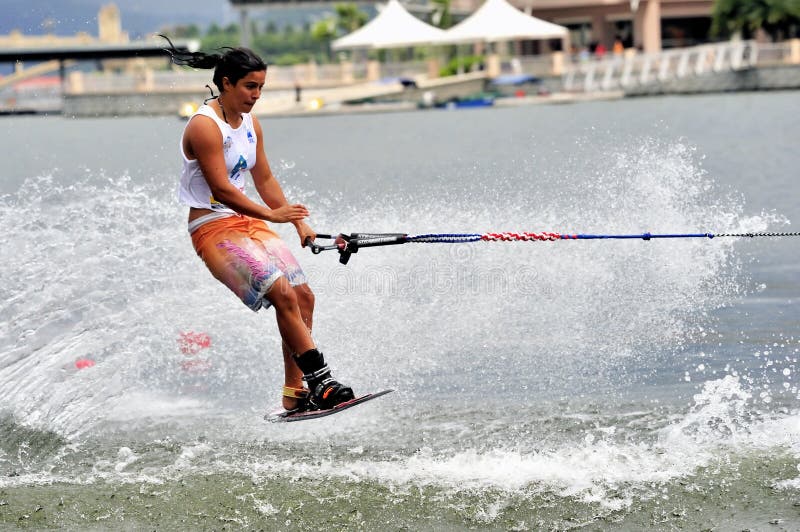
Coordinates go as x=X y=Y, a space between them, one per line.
x=109 y=25
x=648 y=25
x=109 y=29
x=109 y=34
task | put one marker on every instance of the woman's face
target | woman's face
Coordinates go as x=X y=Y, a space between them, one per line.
x=244 y=95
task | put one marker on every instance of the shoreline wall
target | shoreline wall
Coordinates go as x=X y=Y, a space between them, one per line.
x=115 y=103
x=128 y=103
x=778 y=77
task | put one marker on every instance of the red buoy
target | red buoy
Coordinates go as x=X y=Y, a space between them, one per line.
x=191 y=343
x=83 y=363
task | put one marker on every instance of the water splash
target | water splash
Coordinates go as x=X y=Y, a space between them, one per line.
x=102 y=266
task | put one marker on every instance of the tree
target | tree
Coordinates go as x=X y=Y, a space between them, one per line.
x=288 y=46
x=183 y=32
x=441 y=16
x=324 y=30
x=778 y=18
x=347 y=19
x=217 y=37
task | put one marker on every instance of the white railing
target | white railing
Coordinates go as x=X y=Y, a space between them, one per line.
x=777 y=53
x=407 y=69
x=631 y=70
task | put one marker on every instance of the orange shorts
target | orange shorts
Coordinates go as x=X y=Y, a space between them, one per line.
x=246 y=256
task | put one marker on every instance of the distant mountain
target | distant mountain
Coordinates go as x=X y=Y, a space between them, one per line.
x=139 y=17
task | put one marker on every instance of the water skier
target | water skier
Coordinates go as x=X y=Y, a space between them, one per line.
x=221 y=142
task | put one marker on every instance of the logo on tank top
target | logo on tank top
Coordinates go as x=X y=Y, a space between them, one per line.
x=250 y=138
x=227 y=144
x=241 y=165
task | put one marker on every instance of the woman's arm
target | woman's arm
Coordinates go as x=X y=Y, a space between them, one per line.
x=270 y=190
x=205 y=143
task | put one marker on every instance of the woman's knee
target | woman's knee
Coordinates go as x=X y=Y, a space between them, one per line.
x=305 y=298
x=282 y=296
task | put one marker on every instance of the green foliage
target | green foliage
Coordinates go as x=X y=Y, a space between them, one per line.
x=778 y=18
x=348 y=17
x=287 y=46
x=467 y=64
x=183 y=32
x=324 y=30
x=440 y=15
x=292 y=58
x=217 y=37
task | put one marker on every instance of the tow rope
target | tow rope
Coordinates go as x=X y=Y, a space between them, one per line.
x=346 y=245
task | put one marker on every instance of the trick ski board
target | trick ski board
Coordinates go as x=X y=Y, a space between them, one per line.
x=288 y=415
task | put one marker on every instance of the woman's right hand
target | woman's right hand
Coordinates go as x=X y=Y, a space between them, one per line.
x=288 y=213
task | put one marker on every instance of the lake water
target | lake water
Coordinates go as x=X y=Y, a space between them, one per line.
x=597 y=385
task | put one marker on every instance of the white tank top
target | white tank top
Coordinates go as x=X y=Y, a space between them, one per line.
x=239 y=147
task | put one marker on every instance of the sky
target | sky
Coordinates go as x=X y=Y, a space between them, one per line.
x=139 y=17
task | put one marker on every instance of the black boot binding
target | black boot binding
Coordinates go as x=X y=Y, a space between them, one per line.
x=324 y=391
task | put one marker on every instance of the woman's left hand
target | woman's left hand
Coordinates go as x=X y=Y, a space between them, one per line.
x=305 y=232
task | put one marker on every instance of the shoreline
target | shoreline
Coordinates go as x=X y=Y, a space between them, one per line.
x=342 y=108
x=399 y=107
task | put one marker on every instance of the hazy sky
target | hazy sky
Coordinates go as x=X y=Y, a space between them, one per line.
x=138 y=16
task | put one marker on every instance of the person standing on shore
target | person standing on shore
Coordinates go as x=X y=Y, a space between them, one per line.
x=221 y=142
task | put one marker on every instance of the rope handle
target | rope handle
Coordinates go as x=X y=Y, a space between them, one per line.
x=349 y=244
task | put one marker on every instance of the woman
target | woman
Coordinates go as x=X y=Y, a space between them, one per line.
x=221 y=142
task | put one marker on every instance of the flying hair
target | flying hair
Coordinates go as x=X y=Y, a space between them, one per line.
x=192 y=59
x=231 y=63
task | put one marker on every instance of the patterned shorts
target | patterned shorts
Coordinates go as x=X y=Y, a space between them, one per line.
x=246 y=256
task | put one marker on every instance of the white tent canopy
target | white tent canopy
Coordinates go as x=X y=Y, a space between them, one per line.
x=498 y=21
x=394 y=27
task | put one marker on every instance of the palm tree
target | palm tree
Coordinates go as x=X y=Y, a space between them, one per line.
x=778 y=18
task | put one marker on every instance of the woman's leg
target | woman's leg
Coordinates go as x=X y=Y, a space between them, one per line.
x=325 y=391
x=305 y=299
x=293 y=330
x=250 y=259
x=293 y=376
